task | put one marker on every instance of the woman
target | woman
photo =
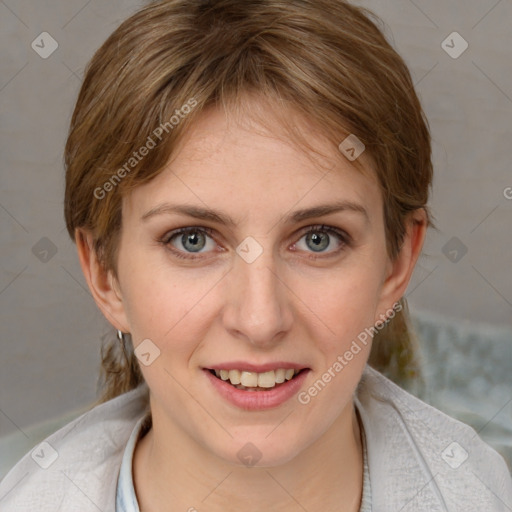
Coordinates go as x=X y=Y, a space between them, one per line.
x=247 y=185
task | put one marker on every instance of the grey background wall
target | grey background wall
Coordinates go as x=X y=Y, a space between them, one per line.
x=50 y=329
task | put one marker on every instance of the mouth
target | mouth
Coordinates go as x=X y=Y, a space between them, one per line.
x=254 y=381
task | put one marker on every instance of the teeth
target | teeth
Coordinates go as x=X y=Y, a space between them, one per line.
x=267 y=379
x=234 y=377
x=280 y=375
x=251 y=380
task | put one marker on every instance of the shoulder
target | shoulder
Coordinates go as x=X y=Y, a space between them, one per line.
x=76 y=468
x=422 y=459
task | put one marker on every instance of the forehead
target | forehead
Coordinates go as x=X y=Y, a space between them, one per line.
x=238 y=165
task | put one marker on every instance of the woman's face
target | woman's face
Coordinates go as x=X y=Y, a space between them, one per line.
x=259 y=293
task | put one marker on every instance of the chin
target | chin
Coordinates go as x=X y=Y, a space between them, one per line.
x=260 y=449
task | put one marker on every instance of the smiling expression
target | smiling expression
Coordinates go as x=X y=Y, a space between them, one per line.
x=310 y=280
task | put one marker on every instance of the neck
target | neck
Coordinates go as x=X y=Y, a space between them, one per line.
x=327 y=475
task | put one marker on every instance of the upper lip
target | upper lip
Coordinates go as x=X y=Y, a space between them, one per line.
x=257 y=368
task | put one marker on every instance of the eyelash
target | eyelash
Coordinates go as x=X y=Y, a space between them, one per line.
x=345 y=239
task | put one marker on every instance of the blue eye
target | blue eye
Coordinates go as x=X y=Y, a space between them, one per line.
x=194 y=239
x=318 y=238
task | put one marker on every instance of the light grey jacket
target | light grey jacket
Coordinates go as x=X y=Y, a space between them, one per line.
x=419 y=459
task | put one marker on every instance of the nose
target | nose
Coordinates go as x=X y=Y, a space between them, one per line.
x=257 y=309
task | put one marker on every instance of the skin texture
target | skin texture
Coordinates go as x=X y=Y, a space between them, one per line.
x=284 y=306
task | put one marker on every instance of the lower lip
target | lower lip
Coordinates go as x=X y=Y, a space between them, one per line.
x=258 y=400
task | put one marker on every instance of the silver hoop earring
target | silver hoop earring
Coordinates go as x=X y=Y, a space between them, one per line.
x=122 y=340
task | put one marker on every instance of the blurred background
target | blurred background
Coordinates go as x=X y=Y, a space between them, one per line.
x=460 y=296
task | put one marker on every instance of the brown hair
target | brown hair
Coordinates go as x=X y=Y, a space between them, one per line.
x=326 y=60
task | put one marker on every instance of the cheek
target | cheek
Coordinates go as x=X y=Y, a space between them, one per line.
x=340 y=304
x=346 y=303
x=165 y=305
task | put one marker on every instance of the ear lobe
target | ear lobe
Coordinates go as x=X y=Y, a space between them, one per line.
x=402 y=267
x=102 y=283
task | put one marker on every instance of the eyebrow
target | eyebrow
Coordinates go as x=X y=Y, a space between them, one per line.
x=222 y=218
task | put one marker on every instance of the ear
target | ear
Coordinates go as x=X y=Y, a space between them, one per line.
x=102 y=283
x=400 y=270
